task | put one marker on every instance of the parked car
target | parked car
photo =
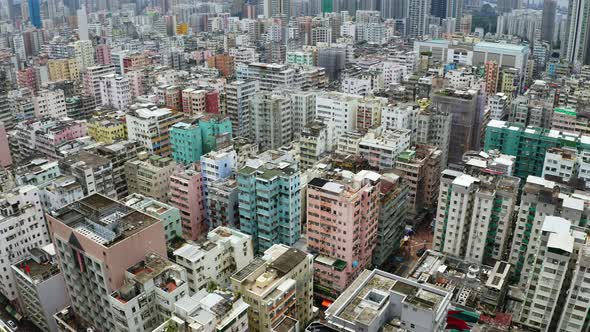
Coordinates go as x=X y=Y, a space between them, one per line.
x=12 y=325
x=420 y=252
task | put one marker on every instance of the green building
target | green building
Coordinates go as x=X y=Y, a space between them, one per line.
x=270 y=204
x=186 y=141
x=327 y=6
x=192 y=140
x=393 y=208
x=529 y=144
x=213 y=130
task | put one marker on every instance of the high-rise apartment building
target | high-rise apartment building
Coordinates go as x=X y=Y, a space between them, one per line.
x=302 y=110
x=149 y=175
x=90 y=235
x=540 y=198
x=271 y=116
x=91 y=79
x=60 y=192
x=278 y=287
x=191 y=140
x=41 y=287
x=571 y=121
x=35 y=13
x=223 y=62
x=548 y=23
x=93 y=172
x=114 y=91
x=474 y=215
x=277 y=8
x=270 y=76
x=24 y=229
x=213 y=261
x=63 y=69
x=80 y=107
x=420 y=167
x=118 y=154
x=561 y=249
x=222 y=203
x=498 y=106
x=428 y=126
x=217 y=165
x=381 y=149
x=44 y=137
x=186 y=142
x=572 y=315
x=342 y=223
x=465 y=108
x=186 y=193
x=455 y=10
x=103 y=54
x=577 y=43
x=169 y=215
x=528 y=144
x=84 y=52
x=150 y=126
x=313 y=144
x=418 y=12
x=270 y=203
x=238 y=95
x=505 y=56
x=392 y=216
x=151 y=288
x=339 y=112
x=368 y=114
x=50 y=103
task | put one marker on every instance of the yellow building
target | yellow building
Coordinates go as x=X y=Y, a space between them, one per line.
x=182 y=29
x=509 y=82
x=63 y=69
x=108 y=128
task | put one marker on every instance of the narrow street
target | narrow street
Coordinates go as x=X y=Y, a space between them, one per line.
x=422 y=238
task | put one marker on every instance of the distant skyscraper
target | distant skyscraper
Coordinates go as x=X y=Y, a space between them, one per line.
x=367 y=5
x=35 y=13
x=578 y=35
x=504 y=6
x=439 y=8
x=549 y=9
x=395 y=8
x=418 y=11
x=455 y=10
x=273 y=8
x=82 y=24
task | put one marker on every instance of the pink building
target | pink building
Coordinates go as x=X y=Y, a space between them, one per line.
x=103 y=54
x=186 y=193
x=44 y=136
x=96 y=240
x=212 y=102
x=28 y=78
x=5 y=156
x=201 y=56
x=342 y=220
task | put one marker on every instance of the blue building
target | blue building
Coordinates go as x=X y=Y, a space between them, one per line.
x=270 y=204
x=191 y=140
x=35 y=13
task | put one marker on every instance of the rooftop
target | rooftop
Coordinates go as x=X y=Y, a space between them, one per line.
x=85 y=160
x=103 y=219
x=488 y=46
x=73 y=320
x=468 y=283
x=39 y=266
x=364 y=300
